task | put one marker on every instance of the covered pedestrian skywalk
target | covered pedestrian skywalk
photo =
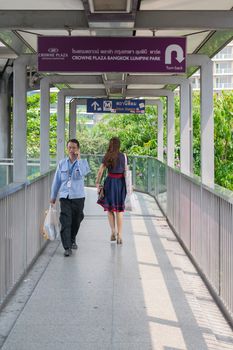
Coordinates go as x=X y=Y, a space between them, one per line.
x=145 y=294
x=142 y=295
x=206 y=25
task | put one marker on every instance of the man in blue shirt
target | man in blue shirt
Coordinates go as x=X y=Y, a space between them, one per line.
x=69 y=182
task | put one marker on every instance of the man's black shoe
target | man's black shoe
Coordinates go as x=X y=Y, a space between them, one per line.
x=74 y=246
x=68 y=252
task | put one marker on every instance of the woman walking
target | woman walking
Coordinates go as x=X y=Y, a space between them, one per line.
x=114 y=187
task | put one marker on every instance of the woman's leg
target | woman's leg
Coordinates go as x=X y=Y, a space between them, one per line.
x=119 y=220
x=111 y=219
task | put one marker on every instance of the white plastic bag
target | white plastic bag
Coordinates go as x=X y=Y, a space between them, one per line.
x=130 y=202
x=128 y=178
x=51 y=225
x=128 y=181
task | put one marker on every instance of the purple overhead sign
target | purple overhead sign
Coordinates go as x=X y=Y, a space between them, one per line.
x=112 y=54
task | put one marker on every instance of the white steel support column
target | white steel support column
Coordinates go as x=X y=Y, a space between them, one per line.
x=19 y=116
x=185 y=127
x=170 y=116
x=19 y=123
x=44 y=125
x=61 y=113
x=160 y=131
x=184 y=110
x=159 y=105
x=207 y=124
x=170 y=129
x=5 y=114
x=60 y=126
x=45 y=110
x=72 y=118
x=207 y=121
x=191 y=126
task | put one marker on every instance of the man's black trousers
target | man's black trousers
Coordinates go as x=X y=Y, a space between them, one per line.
x=70 y=218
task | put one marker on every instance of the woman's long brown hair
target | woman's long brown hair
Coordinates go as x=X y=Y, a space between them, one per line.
x=112 y=154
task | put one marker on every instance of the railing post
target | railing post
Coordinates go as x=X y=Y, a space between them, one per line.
x=88 y=176
x=7 y=175
x=149 y=168
x=44 y=124
x=134 y=172
x=157 y=180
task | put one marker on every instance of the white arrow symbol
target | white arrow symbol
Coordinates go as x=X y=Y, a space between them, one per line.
x=179 y=53
x=95 y=105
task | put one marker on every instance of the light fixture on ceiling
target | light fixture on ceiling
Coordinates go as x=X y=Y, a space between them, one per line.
x=109 y=6
x=153 y=31
x=69 y=30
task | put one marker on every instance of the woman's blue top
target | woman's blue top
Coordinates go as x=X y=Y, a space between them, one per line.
x=120 y=165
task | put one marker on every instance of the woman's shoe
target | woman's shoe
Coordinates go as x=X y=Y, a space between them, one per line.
x=113 y=237
x=119 y=240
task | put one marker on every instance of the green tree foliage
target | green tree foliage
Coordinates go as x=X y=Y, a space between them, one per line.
x=33 y=126
x=196 y=134
x=138 y=133
x=223 y=138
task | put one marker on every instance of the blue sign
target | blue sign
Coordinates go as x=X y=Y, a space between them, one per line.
x=101 y=105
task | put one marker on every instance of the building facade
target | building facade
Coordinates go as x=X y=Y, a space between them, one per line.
x=222 y=72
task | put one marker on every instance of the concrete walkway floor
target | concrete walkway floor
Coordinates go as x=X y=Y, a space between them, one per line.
x=142 y=295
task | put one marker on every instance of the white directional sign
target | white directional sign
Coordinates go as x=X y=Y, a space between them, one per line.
x=95 y=105
x=179 y=53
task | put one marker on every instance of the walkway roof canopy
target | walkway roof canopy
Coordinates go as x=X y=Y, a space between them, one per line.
x=207 y=25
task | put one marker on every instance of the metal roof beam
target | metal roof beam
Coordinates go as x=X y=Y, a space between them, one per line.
x=74 y=79
x=14 y=41
x=5 y=52
x=174 y=19
x=193 y=19
x=82 y=93
x=43 y=19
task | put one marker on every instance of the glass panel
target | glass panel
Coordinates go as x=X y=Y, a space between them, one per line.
x=94 y=162
x=141 y=176
x=162 y=185
x=6 y=172
x=149 y=175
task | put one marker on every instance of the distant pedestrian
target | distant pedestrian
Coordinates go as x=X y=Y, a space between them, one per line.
x=114 y=187
x=69 y=182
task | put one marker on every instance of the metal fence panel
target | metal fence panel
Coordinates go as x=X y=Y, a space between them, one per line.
x=185 y=206
x=21 y=217
x=226 y=254
x=173 y=199
x=195 y=217
x=210 y=237
x=203 y=220
x=15 y=239
x=3 y=229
